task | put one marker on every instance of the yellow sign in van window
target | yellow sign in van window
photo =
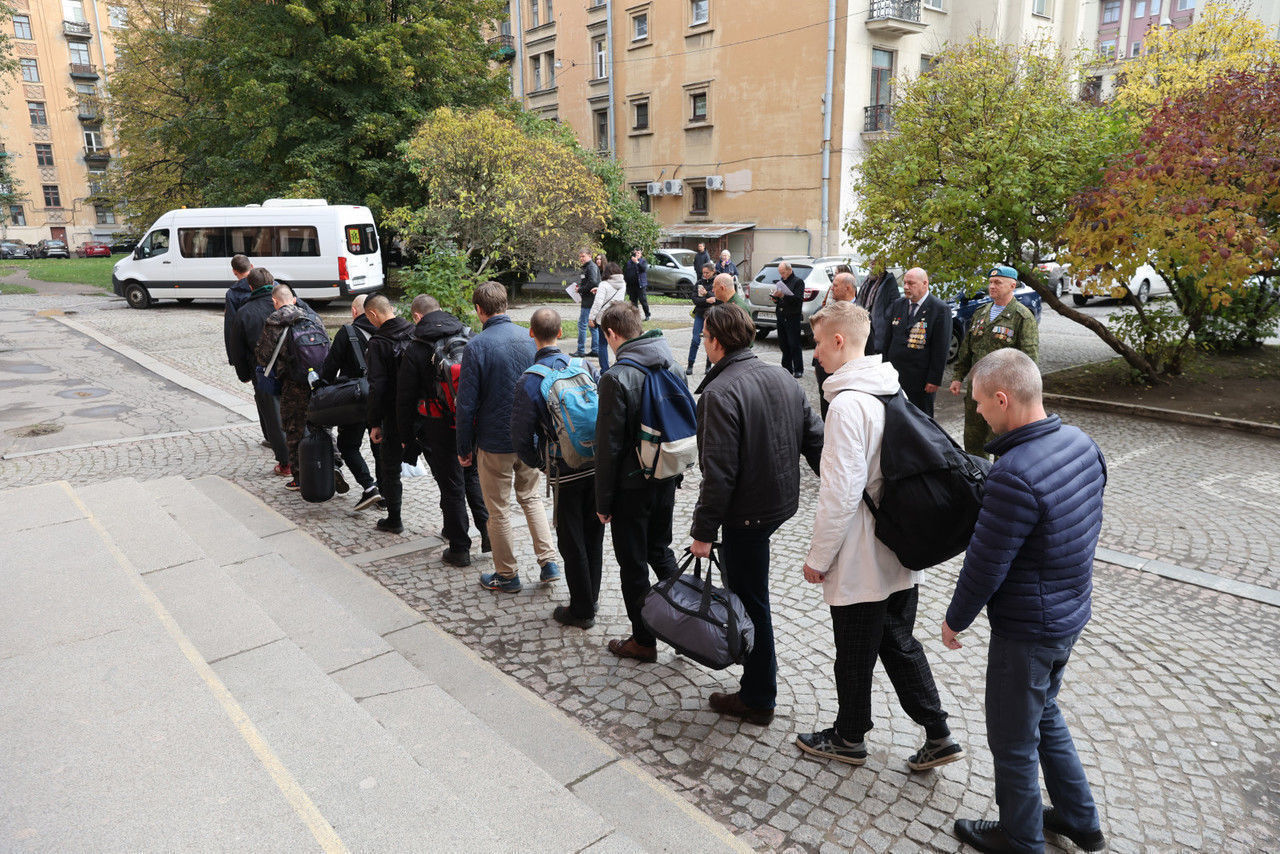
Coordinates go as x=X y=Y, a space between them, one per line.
x=353 y=238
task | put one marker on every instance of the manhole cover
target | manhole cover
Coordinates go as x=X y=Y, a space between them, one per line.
x=33 y=430
x=83 y=393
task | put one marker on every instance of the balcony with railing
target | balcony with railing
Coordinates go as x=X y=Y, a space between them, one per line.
x=877 y=119
x=504 y=47
x=89 y=110
x=101 y=154
x=76 y=30
x=895 y=17
x=84 y=71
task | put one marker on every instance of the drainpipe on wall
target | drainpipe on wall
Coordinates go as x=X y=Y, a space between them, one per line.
x=102 y=48
x=517 y=40
x=826 y=124
x=608 y=44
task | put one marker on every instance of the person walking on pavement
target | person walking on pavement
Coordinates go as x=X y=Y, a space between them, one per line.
x=1007 y=323
x=701 y=258
x=587 y=286
x=612 y=289
x=579 y=531
x=703 y=296
x=390 y=338
x=844 y=288
x=636 y=275
x=919 y=338
x=246 y=329
x=877 y=295
x=726 y=265
x=872 y=596
x=788 y=299
x=421 y=414
x=347 y=360
x=637 y=510
x=235 y=297
x=1030 y=564
x=754 y=425
x=491 y=367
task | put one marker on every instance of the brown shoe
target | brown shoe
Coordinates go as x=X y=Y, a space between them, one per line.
x=630 y=649
x=732 y=706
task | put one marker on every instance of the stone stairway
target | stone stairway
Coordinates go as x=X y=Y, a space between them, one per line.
x=181 y=669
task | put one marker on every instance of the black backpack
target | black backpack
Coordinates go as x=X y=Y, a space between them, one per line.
x=932 y=487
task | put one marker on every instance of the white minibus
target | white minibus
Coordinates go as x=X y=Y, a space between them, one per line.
x=322 y=251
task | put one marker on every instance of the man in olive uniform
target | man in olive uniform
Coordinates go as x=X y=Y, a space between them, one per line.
x=1006 y=323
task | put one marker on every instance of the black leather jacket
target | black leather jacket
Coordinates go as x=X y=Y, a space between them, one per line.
x=754 y=424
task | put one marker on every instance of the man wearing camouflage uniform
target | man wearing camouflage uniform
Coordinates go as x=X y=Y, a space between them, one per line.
x=1006 y=323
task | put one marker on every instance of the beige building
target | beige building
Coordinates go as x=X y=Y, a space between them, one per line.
x=738 y=123
x=51 y=123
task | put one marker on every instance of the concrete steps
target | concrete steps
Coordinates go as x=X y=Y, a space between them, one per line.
x=313 y=706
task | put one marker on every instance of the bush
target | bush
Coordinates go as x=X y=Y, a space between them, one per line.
x=1250 y=318
x=1159 y=333
x=446 y=276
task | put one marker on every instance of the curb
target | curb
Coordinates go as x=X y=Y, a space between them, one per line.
x=1257 y=428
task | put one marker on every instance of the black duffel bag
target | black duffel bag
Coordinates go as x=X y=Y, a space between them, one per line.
x=701 y=621
x=345 y=402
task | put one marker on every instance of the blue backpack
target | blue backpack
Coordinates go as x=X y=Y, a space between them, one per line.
x=668 y=441
x=573 y=403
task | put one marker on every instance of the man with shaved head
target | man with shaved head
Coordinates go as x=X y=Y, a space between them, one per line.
x=347 y=360
x=844 y=288
x=919 y=337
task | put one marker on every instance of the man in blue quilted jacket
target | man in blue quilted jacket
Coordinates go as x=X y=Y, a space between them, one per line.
x=1030 y=564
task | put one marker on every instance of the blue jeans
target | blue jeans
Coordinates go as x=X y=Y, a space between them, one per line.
x=600 y=346
x=1026 y=732
x=745 y=555
x=584 y=315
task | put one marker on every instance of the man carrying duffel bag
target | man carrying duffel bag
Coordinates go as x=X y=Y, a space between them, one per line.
x=749 y=412
x=347 y=361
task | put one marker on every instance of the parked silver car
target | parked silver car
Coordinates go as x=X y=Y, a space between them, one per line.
x=671 y=271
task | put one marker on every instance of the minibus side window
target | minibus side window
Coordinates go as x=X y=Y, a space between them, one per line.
x=156 y=243
x=298 y=241
x=256 y=241
x=202 y=242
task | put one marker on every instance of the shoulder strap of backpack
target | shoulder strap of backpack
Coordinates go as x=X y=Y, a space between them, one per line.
x=275 y=354
x=352 y=333
x=538 y=371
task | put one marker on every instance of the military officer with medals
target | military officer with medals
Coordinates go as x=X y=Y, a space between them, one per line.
x=1007 y=323
x=919 y=336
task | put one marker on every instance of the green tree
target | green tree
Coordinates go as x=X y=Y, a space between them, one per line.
x=238 y=100
x=500 y=191
x=11 y=192
x=988 y=153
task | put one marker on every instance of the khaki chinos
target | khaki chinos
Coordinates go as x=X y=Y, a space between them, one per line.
x=498 y=472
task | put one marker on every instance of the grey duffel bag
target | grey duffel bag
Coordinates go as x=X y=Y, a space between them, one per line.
x=701 y=621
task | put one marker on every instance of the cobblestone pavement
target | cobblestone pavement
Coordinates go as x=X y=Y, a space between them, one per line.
x=1171 y=691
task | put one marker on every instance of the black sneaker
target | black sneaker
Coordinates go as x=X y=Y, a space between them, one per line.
x=578 y=355
x=983 y=835
x=370 y=497
x=340 y=484
x=688 y=372
x=1088 y=840
x=292 y=485
x=829 y=745
x=565 y=617
x=931 y=756
x=390 y=527
x=456 y=558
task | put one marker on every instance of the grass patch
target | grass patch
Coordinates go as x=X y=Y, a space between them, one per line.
x=15 y=289
x=76 y=271
x=1243 y=384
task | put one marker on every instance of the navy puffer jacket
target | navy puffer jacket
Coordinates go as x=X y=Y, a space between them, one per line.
x=491 y=367
x=1030 y=561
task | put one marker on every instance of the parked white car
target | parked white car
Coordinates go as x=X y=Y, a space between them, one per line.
x=1144 y=284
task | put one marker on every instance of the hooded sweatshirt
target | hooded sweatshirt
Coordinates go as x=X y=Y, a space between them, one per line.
x=858 y=567
x=610 y=291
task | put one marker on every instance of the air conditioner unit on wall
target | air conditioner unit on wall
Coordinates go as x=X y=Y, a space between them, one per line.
x=715 y=182
x=655 y=189
x=673 y=188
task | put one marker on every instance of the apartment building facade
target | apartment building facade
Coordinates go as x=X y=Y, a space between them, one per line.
x=51 y=120
x=737 y=124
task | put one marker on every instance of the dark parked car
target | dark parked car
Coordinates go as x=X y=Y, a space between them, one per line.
x=51 y=249
x=124 y=245
x=93 y=249
x=14 y=250
x=965 y=306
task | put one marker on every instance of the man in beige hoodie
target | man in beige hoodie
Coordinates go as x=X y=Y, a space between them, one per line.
x=872 y=596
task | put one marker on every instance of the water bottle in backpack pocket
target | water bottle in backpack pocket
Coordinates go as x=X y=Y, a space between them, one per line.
x=308 y=346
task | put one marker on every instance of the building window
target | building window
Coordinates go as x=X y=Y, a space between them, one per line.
x=30 y=70
x=73 y=10
x=1111 y=11
x=1108 y=49
x=1040 y=7
x=600 y=50
x=1091 y=91
x=1184 y=5
x=44 y=154
x=640 y=27
x=928 y=63
x=535 y=72
x=600 y=119
x=52 y=199
x=1139 y=8
x=698 y=201
x=118 y=17
x=549 y=68
x=641 y=115
x=933 y=4
x=17 y=216
x=534 y=16
x=106 y=216
x=1135 y=50
x=35 y=109
x=93 y=140
x=698 y=107
x=80 y=53
x=881 y=76
x=699 y=12
x=642 y=197
x=22 y=30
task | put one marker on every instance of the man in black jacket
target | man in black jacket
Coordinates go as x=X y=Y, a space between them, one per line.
x=246 y=329
x=388 y=342
x=636 y=275
x=788 y=297
x=587 y=293
x=703 y=296
x=235 y=297
x=638 y=510
x=877 y=295
x=347 y=360
x=919 y=336
x=418 y=389
x=749 y=410
x=701 y=258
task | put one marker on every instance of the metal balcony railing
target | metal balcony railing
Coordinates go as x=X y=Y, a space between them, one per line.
x=100 y=153
x=902 y=10
x=84 y=71
x=76 y=29
x=877 y=117
x=503 y=41
x=89 y=111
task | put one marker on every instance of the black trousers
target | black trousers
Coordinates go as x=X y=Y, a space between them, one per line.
x=459 y=487
x=269 y=419
x=745 y=554
x=821 y=376
x=913 y=387
x=639 y=296
x=580 y=538
x=641 y=530
x=350 y=438
x=789 y=340
x=388 y=459
x=870 y=630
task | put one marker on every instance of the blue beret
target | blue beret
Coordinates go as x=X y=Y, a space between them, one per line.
x=1003 y=270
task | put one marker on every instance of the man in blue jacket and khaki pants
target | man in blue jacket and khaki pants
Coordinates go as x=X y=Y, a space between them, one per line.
x=1030 y=563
